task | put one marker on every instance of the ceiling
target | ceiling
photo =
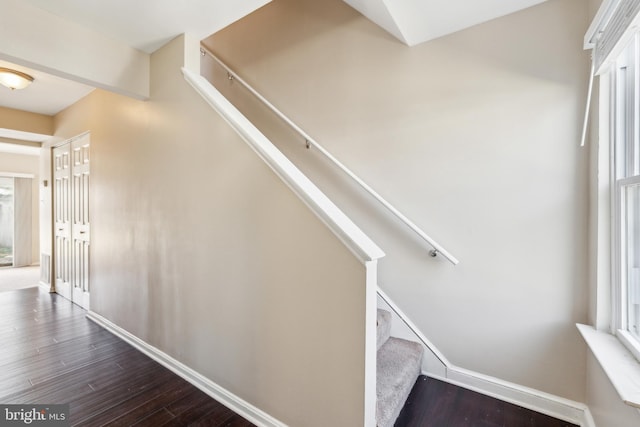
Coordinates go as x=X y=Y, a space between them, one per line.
x=121 y=20
x=46 y=95
x=148 y=24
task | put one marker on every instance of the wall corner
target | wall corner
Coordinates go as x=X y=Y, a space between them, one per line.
x=191 y=53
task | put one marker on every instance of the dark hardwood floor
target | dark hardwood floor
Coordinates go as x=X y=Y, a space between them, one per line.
x=434 y=403
x=50 y=353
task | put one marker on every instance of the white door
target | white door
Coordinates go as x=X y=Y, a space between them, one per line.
x=71 y=214
x=80 y=221
x=62 y=219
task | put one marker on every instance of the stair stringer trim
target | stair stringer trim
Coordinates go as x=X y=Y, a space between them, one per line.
x=536 y=400
x=437 y=366
x=217 y=392
x=434 y=363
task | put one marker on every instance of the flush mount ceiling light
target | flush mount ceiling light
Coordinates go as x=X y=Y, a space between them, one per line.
x=14 y=79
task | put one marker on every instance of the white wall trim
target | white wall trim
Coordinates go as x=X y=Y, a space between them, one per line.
x=618 y=363
x=225 y=397
x=371 y=350
x=16 y=175
x=536 y=400
x=588 y=420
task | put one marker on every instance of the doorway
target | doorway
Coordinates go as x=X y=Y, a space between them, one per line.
x=71 y=219
x=16 y=220
x=6 y=221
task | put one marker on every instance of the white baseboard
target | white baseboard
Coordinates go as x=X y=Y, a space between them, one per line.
x=44 y=286
x=588 y=419
x=230 y=400
x=545 y=403
x=536 y=400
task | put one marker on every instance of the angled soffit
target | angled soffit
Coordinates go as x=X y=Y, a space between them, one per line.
x=417 y=21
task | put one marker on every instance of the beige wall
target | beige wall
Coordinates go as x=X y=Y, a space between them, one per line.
x=200 y=250
x=474 y=136
x=25 y=121
x=19 y=164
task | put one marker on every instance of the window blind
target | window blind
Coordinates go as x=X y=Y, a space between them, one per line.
x=612 y=26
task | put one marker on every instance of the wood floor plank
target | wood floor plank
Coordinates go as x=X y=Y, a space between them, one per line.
x=220 y=415
x=53 y=354
x=434 y=403
x=157 y=418
x=78 y=360
x=76 y=381
x=193 y=399
x=90 y=405
x=237 y=421
x=133 y=408
x=195 y=412
x=53 y=392
x=65 y=359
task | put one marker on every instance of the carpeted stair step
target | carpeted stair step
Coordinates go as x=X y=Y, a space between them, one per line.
x=384 y=327
x=398 y=367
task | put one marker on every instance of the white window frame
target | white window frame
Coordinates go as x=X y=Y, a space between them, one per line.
x=624 y=105
x=621 y=303
x=614 y=27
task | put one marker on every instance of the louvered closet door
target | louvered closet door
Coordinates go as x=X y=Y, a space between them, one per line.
x=80 y=233
x=71 y=216
x=62 y=219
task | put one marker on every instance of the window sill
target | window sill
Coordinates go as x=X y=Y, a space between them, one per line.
x=622 y=368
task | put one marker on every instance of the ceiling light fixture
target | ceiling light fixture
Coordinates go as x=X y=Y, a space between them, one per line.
x=14 y=79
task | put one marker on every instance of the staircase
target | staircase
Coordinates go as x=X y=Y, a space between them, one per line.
x=399 y=363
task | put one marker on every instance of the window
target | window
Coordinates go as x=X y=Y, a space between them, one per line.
x=615 y=42
x=625 y=169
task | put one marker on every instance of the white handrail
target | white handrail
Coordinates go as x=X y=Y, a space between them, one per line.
x=437 y=249
x=345 y=229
